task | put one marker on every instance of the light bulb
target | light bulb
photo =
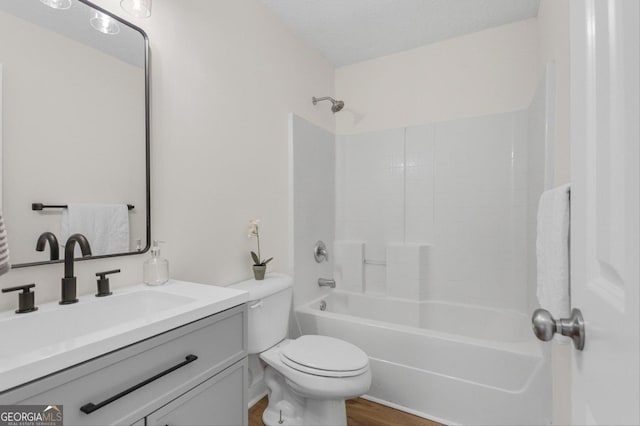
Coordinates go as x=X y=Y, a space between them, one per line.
x=57 y=4
x=137 y=8
x=105 y=24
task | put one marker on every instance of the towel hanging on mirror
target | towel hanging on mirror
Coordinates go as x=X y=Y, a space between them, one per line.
x=5 y=266
x=106 y=226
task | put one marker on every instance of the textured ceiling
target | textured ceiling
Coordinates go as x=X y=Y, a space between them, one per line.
x=348 y=31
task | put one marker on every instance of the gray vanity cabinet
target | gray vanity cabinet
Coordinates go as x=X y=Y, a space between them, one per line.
x=191 y=375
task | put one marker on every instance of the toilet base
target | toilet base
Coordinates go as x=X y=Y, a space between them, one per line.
x=286 y=407
x=327 y=413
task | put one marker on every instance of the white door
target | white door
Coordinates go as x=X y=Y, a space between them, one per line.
x=605 y=227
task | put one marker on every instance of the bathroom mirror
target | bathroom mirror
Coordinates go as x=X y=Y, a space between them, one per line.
x=75 y=124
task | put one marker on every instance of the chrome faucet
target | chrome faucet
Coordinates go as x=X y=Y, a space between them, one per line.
x=327 y=282
x=69 y=281
x=53 y=244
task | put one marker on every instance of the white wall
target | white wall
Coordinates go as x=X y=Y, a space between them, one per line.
x=487 y=72
x=224 y=76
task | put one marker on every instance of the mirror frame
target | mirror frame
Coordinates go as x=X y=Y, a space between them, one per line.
x=147 y=129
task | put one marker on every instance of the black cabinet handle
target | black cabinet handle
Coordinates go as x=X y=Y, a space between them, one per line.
x=91 y=407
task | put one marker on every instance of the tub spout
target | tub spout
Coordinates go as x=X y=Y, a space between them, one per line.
x=327 y=282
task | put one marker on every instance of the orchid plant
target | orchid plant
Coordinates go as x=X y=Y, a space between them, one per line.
x=254 y=231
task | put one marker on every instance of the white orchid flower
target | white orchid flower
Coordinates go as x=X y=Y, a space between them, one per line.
x=254 y=231
x=253 y=228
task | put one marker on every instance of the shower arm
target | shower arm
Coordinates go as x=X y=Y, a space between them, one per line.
x=316 y=100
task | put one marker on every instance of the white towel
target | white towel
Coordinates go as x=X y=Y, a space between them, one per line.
x=552 y=249
x=5 y=266
x=106 y=226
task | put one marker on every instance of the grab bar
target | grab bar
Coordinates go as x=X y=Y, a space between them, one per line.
x=374 y=262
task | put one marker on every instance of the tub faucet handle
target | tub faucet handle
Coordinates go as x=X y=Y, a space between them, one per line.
x=320 y=253
x=327 y=282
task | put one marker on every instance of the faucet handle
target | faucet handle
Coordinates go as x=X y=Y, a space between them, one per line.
x=103 y=283
x=26 y=299
x=320 y=252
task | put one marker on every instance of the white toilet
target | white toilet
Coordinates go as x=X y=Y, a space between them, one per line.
x=308 y=378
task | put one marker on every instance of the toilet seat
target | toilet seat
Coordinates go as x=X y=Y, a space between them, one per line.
x=324 y=356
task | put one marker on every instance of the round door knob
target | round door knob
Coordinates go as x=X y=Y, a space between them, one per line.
x=544 y=326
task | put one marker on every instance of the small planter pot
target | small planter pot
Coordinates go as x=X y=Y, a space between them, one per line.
x=259 y=271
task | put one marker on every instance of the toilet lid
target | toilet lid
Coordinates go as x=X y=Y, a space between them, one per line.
x=325 y=356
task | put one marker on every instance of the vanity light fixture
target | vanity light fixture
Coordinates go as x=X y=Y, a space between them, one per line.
x=137 y=8
x=103 y=23
x=57 y=4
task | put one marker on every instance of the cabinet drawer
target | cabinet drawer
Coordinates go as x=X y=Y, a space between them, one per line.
x=216 y=402
x=217 y=341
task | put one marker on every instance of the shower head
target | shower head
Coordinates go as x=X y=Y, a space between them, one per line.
x=336 y=105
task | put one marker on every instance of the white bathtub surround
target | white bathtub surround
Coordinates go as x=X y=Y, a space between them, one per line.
x=459 y=185
x=458 y=364
x=461 y=325
x=311 y=203
x=540 y=167
x=553 y=251
x=409 y=270
x=349 y=265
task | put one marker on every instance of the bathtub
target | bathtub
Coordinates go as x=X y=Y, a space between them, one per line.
x=456 y=364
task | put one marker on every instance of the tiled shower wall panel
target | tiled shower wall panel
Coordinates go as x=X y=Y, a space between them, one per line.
x=460 y=186
x=370 y=196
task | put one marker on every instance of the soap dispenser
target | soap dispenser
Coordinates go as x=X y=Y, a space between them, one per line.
x=156 y=269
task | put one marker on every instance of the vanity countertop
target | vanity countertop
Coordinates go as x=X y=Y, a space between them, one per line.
x=56 y=336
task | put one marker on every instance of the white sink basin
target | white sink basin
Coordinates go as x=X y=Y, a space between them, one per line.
x=52 y=327
x=59 y=336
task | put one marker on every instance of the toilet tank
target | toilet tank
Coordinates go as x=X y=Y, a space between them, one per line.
x=269 y=306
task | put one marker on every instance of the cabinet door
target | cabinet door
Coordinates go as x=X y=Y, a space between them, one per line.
x=221 y=400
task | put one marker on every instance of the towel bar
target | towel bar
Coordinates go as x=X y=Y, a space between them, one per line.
x=40 y=206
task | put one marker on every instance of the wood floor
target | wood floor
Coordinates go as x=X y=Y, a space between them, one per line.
x=360 y=412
